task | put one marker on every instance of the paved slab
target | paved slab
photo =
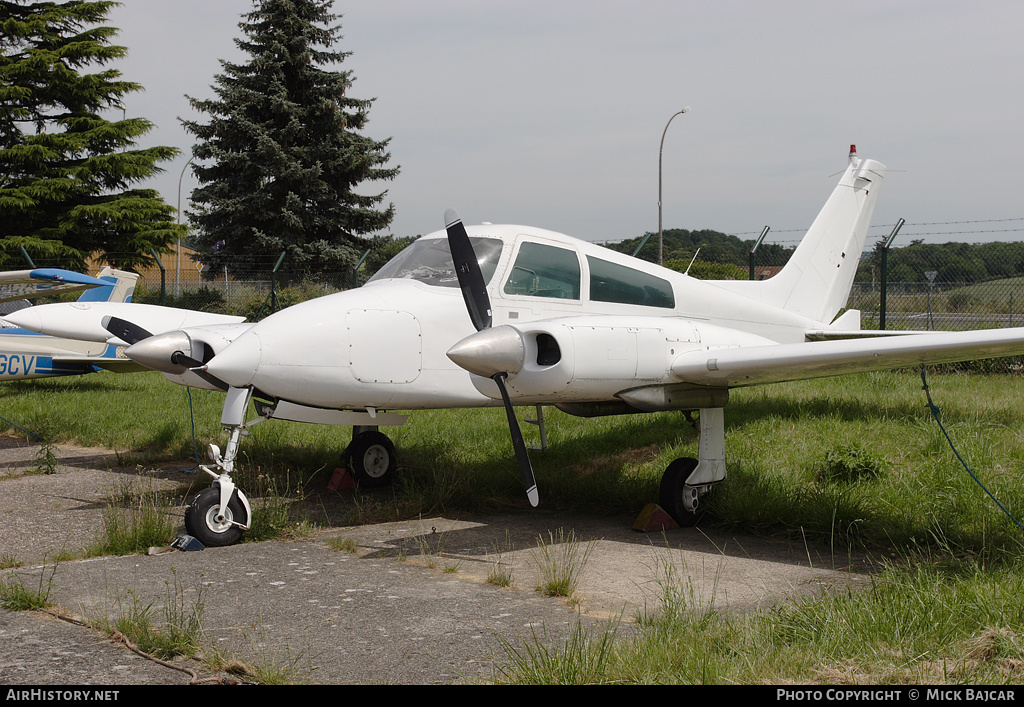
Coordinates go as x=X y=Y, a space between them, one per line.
x=406 y=602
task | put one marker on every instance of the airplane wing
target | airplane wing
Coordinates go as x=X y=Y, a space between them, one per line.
x=84 y=363
x=742 y=366
x=26 y=284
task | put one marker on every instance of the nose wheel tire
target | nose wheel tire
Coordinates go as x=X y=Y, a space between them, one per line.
x=673 y=487
x=371 y=459
x=204 y=522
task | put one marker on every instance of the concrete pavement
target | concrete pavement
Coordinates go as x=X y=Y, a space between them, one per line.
x=406 y=602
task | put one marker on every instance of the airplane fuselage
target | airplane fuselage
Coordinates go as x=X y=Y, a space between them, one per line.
x=25 y=354
x=617 y=320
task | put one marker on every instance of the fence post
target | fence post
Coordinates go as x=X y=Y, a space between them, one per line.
x=355 y=270
x=25 y=253
x=163 y=277
x=642 y=244
x=273 y=282
x=885 y=273
x=754 y=250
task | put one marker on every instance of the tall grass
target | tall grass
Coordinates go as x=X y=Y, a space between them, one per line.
x=783 y=445
x=136 y=519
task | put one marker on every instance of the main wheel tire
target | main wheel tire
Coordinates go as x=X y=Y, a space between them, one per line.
x=371 y=458
x=673 y=486
x=202 y=521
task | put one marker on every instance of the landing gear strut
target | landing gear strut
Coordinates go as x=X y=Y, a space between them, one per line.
x=687 y=481
x=218 y=515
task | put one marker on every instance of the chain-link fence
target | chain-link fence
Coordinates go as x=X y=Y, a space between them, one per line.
x=949 y=286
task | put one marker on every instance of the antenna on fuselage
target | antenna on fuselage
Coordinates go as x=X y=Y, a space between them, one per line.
x=691 y=262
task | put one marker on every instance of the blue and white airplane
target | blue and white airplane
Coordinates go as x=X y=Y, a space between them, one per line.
x=26 y=354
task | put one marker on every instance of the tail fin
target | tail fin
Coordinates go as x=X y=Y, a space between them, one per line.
x=120 y=289
x=817 y=279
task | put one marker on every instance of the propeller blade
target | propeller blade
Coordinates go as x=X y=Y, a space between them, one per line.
x=210 y=378
x=474 y=292
x=467 y=269
x=125 y=330
x=199 y=368
x=518 y=444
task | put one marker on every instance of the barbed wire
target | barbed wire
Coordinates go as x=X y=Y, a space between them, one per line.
x=889 y=227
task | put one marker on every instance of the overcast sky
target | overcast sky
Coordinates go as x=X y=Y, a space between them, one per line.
x=551 y=113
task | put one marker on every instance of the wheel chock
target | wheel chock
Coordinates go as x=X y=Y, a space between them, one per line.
x=187 y=543
x=341 y=480
x=653 y=519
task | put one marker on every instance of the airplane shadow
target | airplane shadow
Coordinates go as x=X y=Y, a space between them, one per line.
x=486 y=538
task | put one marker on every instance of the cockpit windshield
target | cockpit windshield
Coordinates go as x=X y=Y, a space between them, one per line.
x=430 y=261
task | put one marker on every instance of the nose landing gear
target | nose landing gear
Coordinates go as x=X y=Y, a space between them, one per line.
x=218 y=515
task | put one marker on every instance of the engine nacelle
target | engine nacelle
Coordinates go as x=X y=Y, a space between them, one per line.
x=586 y=358
x=174 y=352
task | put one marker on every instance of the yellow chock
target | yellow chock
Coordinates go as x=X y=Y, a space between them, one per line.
x=653 y=519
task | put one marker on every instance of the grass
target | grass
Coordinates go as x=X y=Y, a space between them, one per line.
x=849 y=464
x=561 y=562
x=501 y=573
x=914 y=625
x=16 y=596
x=852 y=460
x=168 y=631
x=136 y=519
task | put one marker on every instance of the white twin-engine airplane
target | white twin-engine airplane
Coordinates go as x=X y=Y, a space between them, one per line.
x=551 y=321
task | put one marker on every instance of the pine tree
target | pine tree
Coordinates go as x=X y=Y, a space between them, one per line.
x=280 y=158
x=66 y=173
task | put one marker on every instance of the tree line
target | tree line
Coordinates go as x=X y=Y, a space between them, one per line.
x=952 y=262
x=278 y=159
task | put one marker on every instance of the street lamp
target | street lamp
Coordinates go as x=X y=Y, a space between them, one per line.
x=661 y=238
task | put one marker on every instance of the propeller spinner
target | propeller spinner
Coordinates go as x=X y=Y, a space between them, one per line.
x=161 y=352
x=474 y=292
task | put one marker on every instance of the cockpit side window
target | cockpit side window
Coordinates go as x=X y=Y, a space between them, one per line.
x=545 y=271
x=430 y=261
x=611 y=282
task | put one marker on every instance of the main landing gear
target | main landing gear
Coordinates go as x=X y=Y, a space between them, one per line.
x=370 y=458
x=687 y=481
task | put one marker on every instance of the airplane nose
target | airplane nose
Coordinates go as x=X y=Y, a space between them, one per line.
x=26 y=319
x=236 y=365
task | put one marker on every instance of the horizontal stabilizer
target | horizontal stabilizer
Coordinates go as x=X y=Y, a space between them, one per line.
x=26 y=284
x=840 y=335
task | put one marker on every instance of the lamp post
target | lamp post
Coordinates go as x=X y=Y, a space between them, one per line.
x=661 y=238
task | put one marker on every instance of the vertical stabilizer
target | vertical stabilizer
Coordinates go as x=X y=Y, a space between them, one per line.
x=120 y=289
x=817 y=279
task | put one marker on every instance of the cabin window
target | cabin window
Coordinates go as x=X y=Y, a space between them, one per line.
x=611 y=282
x=545 y=271
x=430 y=261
